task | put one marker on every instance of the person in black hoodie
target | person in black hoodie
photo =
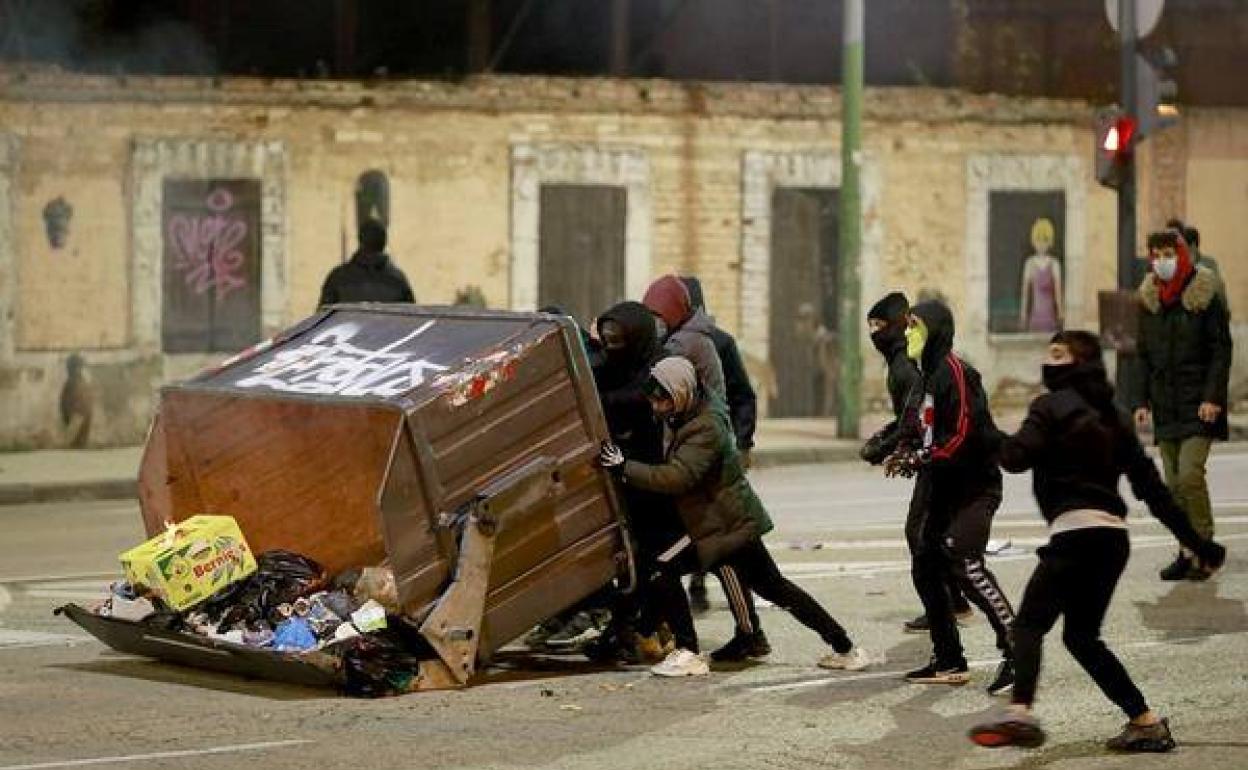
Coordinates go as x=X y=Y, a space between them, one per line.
x=947 y=441
x=742 y=408
x=370 y=275
x=1077 y=444
x=887 y=322
x=630 y=347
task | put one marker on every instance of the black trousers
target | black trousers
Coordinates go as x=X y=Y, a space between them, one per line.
x=953 y=529
x=753 y=564
x=1076 y=578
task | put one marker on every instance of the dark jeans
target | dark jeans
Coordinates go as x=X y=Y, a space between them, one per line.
x=951 y=534
x=754 y=565
x=1076 y=577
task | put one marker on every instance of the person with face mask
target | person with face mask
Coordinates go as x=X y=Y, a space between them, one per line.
x=1077 y=445
x=629 y=344
x=946 y=443
x=687 y=331
x=724 y=518
x=887 y=323
x=1183 y=372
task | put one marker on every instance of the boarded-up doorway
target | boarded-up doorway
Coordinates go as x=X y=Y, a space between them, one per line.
x=803 y=301
x=211 y=283
x=581 y=248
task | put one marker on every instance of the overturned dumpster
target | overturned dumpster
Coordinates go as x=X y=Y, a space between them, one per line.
x=457 y=447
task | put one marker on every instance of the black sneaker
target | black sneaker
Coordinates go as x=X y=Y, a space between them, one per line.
x=743 y=647
x=917 y=626
x=699 y=603
x=1150 y=738
x=1003 y=682
x=1178 y=569
x=941 y=673
x=1009 y=729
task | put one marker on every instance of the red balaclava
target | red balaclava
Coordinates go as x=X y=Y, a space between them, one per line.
x=1170 y=291
x=668 y=298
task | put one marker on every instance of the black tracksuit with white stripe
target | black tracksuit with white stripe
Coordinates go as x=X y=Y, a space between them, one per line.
x=957 y=491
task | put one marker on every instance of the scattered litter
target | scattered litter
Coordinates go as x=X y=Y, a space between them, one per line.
x=370 y=617
x=571 y=707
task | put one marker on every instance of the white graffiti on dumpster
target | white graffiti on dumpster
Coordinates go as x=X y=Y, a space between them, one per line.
x=329 y=365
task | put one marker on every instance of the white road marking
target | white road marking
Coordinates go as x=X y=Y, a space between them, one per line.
x=14 y=639
x=236 y=748
x=803 y=684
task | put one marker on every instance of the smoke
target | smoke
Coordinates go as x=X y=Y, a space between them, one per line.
x=102 y=36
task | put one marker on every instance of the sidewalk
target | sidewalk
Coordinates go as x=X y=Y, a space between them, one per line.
x=57 y=475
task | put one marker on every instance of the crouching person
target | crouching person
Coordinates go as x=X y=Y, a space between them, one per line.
x=724 y=518
x=1077 y=445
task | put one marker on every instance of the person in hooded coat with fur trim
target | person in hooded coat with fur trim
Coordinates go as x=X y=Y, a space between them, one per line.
x=1183 y=371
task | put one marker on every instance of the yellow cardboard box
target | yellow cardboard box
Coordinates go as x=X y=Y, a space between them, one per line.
x=191 y=561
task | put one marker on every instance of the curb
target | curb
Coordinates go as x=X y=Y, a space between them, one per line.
x=62 y=492
x=127 y=489
x=774 y=458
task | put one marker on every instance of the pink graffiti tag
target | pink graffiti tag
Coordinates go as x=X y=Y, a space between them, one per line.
x=206 y=246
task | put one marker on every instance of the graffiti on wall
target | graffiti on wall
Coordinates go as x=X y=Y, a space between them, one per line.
x=208 y=245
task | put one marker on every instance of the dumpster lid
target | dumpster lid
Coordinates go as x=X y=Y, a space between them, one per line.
x=400 y=354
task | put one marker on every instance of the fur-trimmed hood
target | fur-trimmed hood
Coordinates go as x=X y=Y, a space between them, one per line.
x=1199 y=292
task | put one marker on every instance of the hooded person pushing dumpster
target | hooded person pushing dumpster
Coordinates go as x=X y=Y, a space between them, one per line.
x=724 y=518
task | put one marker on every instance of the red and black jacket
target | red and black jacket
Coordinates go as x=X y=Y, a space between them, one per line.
x=950 y=420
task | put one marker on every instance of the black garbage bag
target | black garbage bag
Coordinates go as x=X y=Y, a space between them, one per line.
x=379 y=664
x=280 y=578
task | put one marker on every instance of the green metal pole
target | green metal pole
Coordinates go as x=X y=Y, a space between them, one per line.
x=849 y=320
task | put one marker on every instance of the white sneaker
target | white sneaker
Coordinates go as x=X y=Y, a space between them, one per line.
x=855 y=660
x=682 y=662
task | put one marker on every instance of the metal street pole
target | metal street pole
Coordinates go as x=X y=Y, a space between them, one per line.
x=1126 y=192
x=1124 y=374
x=849 y=321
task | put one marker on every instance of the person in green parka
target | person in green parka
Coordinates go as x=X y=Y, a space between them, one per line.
x=1184 y=355
x=724 y=518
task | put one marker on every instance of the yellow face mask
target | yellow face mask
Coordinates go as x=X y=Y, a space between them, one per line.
x=916 y=338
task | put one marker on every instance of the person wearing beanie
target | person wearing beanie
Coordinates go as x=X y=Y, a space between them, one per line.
x=1182 y=376
x=887 y=323
x=723 y=517
x=946 y=443
x=1077 y=445
x=369 y=276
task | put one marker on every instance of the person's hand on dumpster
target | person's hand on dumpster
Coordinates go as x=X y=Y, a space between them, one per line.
x=611 y=458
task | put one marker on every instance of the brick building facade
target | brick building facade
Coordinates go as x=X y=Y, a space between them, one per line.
x=699 y=166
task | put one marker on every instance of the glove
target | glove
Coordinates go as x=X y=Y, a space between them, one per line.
x=906 y=462
x=1212 y=556
x=875 y=451
x=611 y=458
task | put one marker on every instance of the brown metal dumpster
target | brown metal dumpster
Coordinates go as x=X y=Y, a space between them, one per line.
x=457 y=445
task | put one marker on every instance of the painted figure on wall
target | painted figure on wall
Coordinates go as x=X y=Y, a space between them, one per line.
x=1041 y=298
x=56 y=216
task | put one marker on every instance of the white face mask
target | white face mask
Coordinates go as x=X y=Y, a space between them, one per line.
x=1165 y=267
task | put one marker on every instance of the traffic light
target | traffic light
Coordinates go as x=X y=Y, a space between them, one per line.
x=1115 y=142
x=1155 y=91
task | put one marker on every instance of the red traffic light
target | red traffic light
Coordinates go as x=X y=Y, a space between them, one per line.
x=1118 y=135
x=1115 y=140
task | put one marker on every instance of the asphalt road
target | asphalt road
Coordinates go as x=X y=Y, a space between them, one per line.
x=66 y=701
